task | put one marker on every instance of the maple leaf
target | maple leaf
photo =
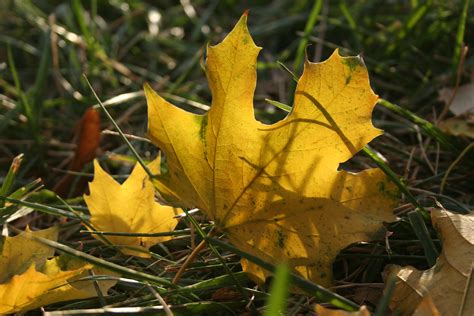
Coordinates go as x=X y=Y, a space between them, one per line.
x=19 y=253
x=129 y=208
x=275 y=189
x=445 y=282
x=30 y=279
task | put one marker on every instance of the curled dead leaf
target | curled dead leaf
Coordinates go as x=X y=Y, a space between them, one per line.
x=446 y=282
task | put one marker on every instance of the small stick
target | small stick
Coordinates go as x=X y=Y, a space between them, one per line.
x=188 y=261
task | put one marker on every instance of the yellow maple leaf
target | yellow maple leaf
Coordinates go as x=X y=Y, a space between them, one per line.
x=129 y=208
x=45 y=280
x=18 y=255
x=275 y=189
x=446 y=282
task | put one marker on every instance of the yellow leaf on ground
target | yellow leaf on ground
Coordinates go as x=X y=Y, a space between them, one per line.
x=275 y=189
x=445 y=283
x=44 y=281
x=34 y=289
x=19 y=253
x=129 y=208
x=323 y=311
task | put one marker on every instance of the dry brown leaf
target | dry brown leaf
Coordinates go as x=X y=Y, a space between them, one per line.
x=445 y=283
x=87 y=141
x=426 y=308
x=463 y=102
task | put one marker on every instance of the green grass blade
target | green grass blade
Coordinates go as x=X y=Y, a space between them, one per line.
x=171 y=233
x=291 y=73
x=394 y=177
x=279 y=105
x=119 y=130
x=427 y=127
x=409 y=24
x=383 y=305
x=106 y=264
x=312 y=19
x=27 y=109
x=78 y=10
x=20 y=192
x=46 y=209
x=279 y=292
x=214 y=283
x=460 y=37
x=418 y=224
x=10 y=177
x=352 y=24
x=40 y=80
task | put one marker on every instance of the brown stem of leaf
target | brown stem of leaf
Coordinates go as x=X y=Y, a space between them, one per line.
x=190 y=258
x=188 y=261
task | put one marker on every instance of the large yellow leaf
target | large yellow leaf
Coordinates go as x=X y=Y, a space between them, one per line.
x=44 y=281
x=275 y=189
x=129 y=208
x=446 y=282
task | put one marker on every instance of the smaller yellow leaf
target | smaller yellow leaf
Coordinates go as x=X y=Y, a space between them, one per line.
x=129 y=208
x=80 y=288
x=44 y=281
x=20 y=252
x=34 y=289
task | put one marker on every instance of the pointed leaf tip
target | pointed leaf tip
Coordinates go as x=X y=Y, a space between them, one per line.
x=147 y=87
